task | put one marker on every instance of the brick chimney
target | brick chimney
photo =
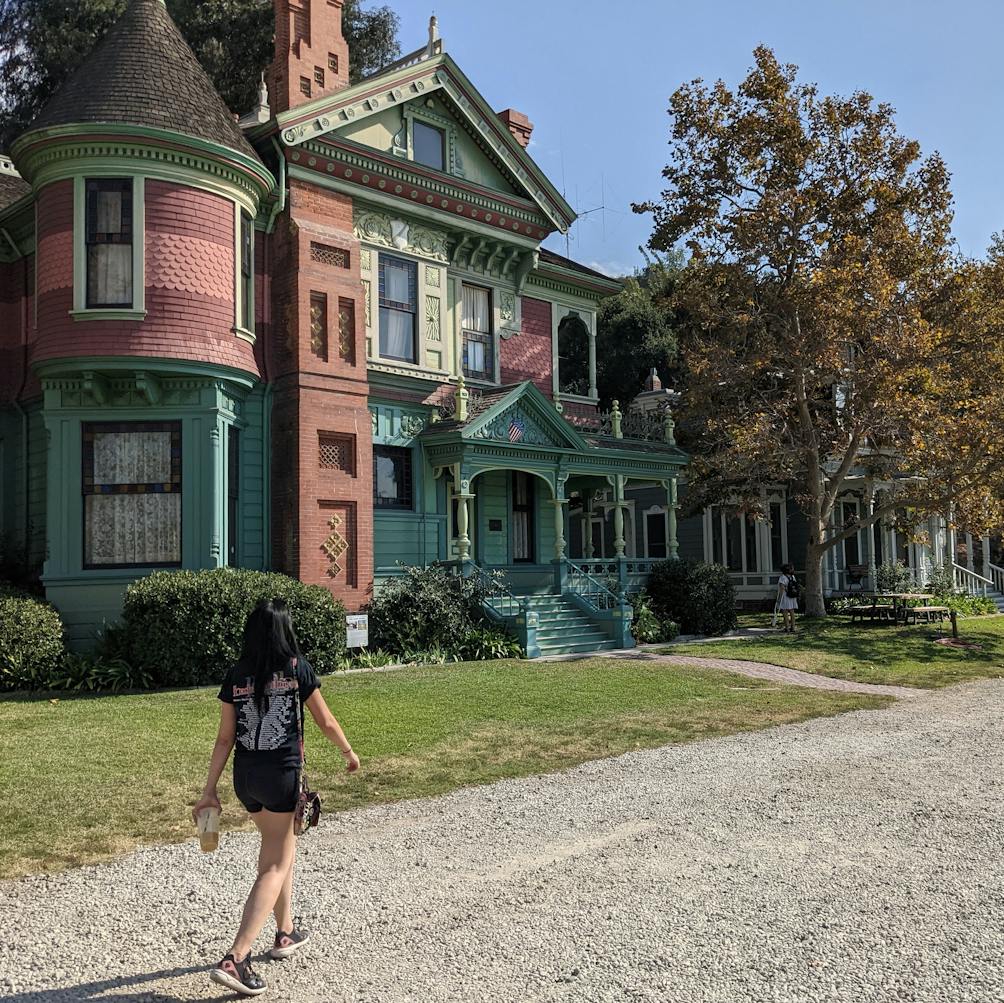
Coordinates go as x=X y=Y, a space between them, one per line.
x=518 y=124
x=311 y=55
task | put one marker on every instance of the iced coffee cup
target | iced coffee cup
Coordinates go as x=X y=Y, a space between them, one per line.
x=208 y=824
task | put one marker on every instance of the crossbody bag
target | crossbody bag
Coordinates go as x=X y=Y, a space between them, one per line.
x=308 y=802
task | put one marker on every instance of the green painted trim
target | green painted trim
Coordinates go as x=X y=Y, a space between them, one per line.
x=72 y=367
x=138 y=250
x=569 y=287
x=38 y=151
x=242 y=328
x=85 y=315
x=249 y=336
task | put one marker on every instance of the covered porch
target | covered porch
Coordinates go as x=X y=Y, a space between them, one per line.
x=517 y=475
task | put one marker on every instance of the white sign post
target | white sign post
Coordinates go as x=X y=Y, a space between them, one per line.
x=357 y=630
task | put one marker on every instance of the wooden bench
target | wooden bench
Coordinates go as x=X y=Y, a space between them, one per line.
x=877 y=611
x=927 y=613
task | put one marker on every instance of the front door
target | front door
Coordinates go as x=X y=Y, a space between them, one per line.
x=523 y=528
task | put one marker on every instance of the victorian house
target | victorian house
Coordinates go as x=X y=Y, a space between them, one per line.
x=324 y=339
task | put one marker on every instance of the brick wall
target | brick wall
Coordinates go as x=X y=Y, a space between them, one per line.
x=15 y=280
x=190 y=248
x=317 y=360
x=527 y=356
x=308 y=36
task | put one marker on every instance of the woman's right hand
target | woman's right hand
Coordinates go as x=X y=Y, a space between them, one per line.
x=351 y=761
x=208 y=800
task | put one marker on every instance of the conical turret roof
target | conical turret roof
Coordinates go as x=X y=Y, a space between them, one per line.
x=143 y=73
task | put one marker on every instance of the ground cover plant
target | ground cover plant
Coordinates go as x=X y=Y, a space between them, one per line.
x=870 y=653
x=85 y=778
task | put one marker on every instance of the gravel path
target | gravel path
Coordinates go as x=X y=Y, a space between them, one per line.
x=855 y=858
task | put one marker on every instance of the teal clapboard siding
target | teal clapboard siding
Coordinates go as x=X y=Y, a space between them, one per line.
x=493 y=504
x=408 y=538
x=36 y=494
x=544 y=519
x=252 y=541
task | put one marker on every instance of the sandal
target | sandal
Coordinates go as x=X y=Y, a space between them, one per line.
x=238 y=976
x=288 y=943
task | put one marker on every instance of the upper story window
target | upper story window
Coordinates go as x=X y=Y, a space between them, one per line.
x=245 y=291
x=392 y=477
x=108 y=237
x=479 y=355
x=429 y=145
x=398 y=297
x=573 y=356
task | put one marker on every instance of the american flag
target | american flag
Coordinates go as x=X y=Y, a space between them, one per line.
x=516 y=429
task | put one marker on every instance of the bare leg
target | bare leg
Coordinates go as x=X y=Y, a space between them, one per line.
x=284 y=903
x=275 y=863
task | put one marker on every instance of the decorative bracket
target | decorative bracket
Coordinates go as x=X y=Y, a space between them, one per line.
x=149 y=386
x=96 y=385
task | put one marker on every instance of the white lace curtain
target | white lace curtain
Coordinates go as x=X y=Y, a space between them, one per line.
x=476 y=310
x=135 y=527
x=109 y=265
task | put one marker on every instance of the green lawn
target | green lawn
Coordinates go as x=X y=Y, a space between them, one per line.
x=86 y=778
x=869 y=653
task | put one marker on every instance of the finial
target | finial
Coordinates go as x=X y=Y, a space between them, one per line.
x=669 y=428
x=461 y=397
x=615 y=420
x=435 y=44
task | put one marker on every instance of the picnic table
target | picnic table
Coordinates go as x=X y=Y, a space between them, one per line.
x=900 y=609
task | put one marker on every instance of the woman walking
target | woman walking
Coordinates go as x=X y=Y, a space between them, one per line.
x=788 y=591
x=261 y=712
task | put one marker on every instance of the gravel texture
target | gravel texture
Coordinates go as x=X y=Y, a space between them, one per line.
x=851 y=858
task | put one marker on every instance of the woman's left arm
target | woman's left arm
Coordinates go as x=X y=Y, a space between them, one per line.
x=221 y=753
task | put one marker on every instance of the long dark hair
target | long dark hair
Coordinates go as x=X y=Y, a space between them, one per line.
x=269 y=644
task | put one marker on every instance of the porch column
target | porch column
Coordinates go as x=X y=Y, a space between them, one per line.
x=618 y=516
x=969 y=551
x=672 y=503
x=559 y=527
x=870 y=537
x=986 y=556
x=593 y=392
x=463 y=524
x=587 y=533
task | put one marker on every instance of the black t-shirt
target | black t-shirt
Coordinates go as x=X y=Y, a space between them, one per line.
x=272 y=733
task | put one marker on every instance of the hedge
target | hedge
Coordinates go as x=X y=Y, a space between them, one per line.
x=184 y=628
x=31 y=642
x=699 y=597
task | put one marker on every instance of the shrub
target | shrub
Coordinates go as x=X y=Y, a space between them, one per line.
x=941 y=580
x=699 y=597
x=893 y=576
x=184 y=628
x=93 y=673
x=646 y=627
x=423 y=609
x=31 y=642
x=487 y=643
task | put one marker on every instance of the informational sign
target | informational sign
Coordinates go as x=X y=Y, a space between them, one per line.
x=357 y=630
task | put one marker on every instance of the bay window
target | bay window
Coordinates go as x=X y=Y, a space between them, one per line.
x=479 y=356
x=398 y=298
x=131 y=484
x=108 y=238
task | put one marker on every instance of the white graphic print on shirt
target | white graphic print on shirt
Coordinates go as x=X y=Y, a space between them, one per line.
x=269 y=731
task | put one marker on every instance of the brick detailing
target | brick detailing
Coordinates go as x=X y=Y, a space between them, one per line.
x=340 y=544
x=319 y=325
x=337 y=452
x=311 y=56
x=190 y=284
x=527 y=356
x=347 y=330
x=325 y=254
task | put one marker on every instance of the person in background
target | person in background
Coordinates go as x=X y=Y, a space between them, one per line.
x=788 y=591
x=261 y=700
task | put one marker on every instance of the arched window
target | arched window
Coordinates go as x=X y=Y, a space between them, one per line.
x=573 y=356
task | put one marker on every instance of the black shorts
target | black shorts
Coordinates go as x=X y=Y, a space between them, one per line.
x=266 y=785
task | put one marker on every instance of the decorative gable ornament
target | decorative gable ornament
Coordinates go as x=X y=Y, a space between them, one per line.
x=515 y=425
x=399 y=234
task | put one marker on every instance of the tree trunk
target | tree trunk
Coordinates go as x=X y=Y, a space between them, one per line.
x=814 y=604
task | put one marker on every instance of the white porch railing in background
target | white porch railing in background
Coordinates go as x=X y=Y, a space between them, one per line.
x=996 y=576
x=970 y=582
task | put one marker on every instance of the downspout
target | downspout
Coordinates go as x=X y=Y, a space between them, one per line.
x=280 y=205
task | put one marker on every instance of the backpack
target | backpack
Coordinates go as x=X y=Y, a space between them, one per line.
x=793 y=589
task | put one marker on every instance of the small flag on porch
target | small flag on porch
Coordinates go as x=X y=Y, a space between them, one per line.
x=516 y=429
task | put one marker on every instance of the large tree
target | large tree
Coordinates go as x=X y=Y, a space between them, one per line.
x=834 y=340
x=635 y=330
x=42 y=42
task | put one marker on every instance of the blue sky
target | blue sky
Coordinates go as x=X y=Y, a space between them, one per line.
x=594 y=78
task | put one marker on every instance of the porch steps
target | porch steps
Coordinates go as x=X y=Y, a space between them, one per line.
x=564 y=629
x=998 y=599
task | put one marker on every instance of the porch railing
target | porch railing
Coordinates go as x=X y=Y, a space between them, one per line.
x=636 y=570
x=970 y=582
x=591 y=590
x=996 y=576
x=499 y=596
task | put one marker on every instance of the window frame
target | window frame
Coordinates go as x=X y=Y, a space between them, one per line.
x=487 y=338
x=87 y=489
x=136 y=310
x=398 y=504
x=382 y=302
x=244 y=299
x=443 y=145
